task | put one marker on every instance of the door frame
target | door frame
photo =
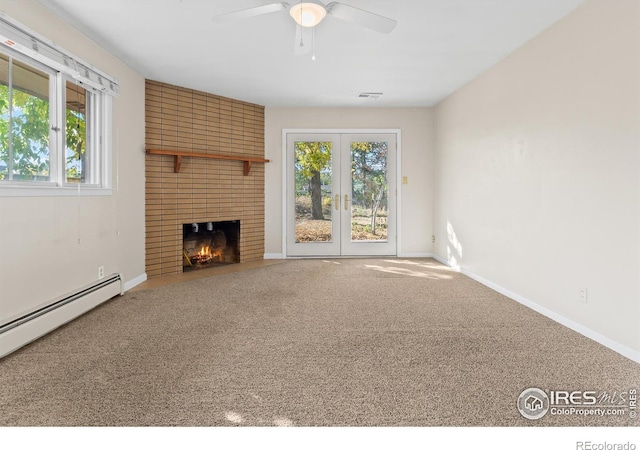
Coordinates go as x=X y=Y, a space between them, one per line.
x=398 y=184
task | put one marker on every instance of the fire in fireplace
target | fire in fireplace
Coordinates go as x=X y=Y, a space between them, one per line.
x=210 y=244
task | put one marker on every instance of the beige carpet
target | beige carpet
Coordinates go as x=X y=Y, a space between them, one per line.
x=349 y=342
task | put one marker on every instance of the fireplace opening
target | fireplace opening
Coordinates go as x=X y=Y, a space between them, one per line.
x=210 y=244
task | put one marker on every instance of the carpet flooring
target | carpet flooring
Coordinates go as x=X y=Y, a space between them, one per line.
x=343 y=342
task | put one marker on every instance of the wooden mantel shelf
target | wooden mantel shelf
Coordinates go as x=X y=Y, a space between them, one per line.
x=178 y=155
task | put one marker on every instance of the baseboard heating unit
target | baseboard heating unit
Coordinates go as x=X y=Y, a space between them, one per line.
x=23 y=330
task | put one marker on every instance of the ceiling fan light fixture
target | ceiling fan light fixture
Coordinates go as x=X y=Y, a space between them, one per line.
x=308 y=14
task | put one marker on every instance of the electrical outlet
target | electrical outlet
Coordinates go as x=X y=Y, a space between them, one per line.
x=433 y=238
x=582 y=295
x=100 y=272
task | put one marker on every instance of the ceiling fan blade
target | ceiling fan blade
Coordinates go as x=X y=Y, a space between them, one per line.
x=361 y=17
x=304 y=41
x=251 y=12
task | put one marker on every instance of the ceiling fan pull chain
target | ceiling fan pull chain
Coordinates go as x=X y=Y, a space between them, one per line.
x=301 y=41
x=313 y=44
x=300 y=13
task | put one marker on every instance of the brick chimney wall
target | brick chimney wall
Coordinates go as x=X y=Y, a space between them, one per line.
x=204 y=190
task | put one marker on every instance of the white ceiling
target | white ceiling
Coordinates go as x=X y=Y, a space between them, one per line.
x=437 y=47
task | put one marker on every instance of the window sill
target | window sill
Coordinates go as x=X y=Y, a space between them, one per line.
x=51 y=191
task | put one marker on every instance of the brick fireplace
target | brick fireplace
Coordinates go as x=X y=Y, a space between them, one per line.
x=202 y=190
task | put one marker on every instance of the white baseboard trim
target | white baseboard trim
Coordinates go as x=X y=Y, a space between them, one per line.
x=617 y=347
x=135 y=281
x=445 y=262
x=399 y=255
x=414 y=255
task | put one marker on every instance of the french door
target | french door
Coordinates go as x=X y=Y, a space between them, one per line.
x=341 y=194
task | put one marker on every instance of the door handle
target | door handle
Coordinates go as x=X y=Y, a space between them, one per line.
x=346 y=201
x=337 y=202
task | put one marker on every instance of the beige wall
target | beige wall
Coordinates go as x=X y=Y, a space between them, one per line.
x=50 y=246
x=416 y=125
x=538 y=169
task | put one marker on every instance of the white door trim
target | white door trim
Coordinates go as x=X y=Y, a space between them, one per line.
x=398 y=187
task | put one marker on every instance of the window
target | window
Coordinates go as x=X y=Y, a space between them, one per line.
x=55 y=116
x=25 y=121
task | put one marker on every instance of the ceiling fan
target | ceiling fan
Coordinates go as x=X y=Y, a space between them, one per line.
x=309 y=13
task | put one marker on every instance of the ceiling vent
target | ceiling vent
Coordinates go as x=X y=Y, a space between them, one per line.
x=373 y=95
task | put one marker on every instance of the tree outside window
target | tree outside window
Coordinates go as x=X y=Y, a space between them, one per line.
x=24 y=122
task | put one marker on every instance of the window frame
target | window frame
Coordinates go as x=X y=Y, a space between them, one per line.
x=29 y=48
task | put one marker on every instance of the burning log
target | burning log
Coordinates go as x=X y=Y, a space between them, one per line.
x=184 y=252
x=203 y=256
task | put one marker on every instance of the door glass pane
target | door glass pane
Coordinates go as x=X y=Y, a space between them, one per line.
x=369 y=186
x=313 y=207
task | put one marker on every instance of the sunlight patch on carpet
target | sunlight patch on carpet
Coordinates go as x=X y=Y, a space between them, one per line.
x=282 y=422
x=234 y=417
x=408 y=272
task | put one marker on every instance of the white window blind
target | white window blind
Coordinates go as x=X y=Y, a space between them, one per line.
x=27 y=42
